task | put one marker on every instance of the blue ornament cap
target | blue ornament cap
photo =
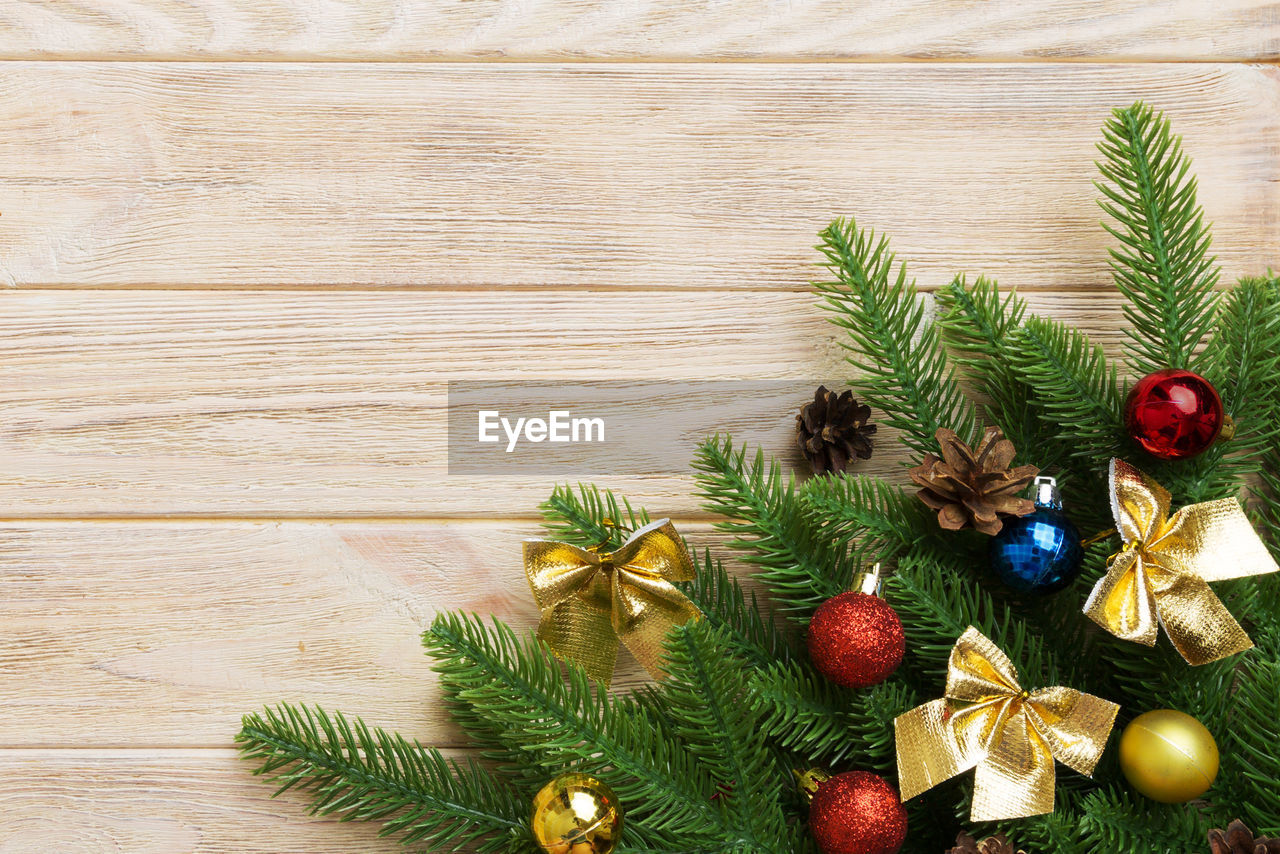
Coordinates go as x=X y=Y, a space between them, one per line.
x=1040 y=552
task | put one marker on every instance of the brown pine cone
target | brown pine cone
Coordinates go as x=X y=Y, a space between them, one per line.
x=998 y=844
x=833 y=430
x=1238 y=839
x=974 y=487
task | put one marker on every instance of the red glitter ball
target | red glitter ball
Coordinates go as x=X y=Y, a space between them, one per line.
x=856 y=640
x=1174 y=414
x=857 y=813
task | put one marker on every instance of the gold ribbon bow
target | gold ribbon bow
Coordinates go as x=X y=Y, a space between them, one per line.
x=1011 y=736
x=1162 y=575
x=591 y=600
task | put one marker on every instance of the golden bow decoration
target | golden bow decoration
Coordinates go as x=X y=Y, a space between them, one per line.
x=591 y=600
x=1011 y=736
x=1162 y=574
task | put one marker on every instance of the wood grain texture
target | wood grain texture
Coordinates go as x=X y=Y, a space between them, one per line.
x=322 y=403
x=632 y=29
x=653 y=177
x=165 y=634
x=159 y=802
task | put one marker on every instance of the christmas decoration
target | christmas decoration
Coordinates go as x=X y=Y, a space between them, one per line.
x=576 y=814
x=973 y=488
x=809 y=780
x=1011 y=736
x=1039 y=553
x=857 y=813
x=1174 y=414
x=591 y=600
x=1238 y=839
x=702 y=756
x=856 y=639
x=998 y=844
x=1162 y=575
x=833 y=430
x=1168 y=756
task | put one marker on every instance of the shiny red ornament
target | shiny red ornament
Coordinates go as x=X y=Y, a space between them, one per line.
x=856 y=640
x=1174 y=414
x=857 y=813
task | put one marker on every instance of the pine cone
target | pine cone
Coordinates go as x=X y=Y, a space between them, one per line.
x=1238 y=839
x=998 y=844
x=974 y=488
x=833 y=430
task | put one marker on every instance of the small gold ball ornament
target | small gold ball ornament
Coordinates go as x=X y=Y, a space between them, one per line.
x=576 y=814
x=1168 y=756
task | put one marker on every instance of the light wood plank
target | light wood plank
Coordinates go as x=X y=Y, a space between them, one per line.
x=159 y=802
x=507 y=29
x=309 y=404
x=683 y=176
x=164 y=634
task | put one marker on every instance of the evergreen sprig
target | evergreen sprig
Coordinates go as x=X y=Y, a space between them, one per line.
x=977 y=323
x=768 y=521
x=1162 y=265
x=370 y=775
x=904 y=371
x=710 y=714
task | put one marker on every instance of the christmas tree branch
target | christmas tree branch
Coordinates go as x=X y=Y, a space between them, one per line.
x=905 y=372
x=590 y=517
x=978 y=326
x=1077 y=392
x=878 y=521
x=746 y=624
x=937 y=601
x=1162 y=265
x=371 y=775
x=516 y=688
x=770 y=523
x=809 y=715
x=705 y=697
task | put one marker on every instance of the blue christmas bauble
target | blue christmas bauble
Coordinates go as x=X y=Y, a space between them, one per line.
x=1037 y=553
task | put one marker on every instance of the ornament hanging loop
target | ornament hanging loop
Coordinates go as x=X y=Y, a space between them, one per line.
x=1228 y=431
x=1047 y=493
x=870 y=582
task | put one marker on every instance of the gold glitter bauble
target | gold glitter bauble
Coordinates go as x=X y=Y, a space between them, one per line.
x=1168 y=756
x=576 y=814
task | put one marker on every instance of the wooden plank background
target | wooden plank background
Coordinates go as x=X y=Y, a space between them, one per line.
x=246 y=245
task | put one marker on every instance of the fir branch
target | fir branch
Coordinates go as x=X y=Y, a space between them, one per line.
x=810 y=715
x=590 y=516
x=1242 y=360
x=938 y=600
x=977 y=326
x=370 y=775
x=1114 y=819
x=769 y=521
x=516 y=688
x=1162 y=265
x=705 y=696
x=1077 y=392
x=1248 y=740
x=905 y=372
x=747 y=625
x=877 y=520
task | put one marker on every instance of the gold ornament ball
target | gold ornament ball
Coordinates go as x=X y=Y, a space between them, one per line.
x=1168 y=756
x=576 y=814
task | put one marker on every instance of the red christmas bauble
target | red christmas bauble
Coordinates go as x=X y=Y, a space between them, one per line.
x=857 y=813
x=1174 y=414
x=855 y=640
